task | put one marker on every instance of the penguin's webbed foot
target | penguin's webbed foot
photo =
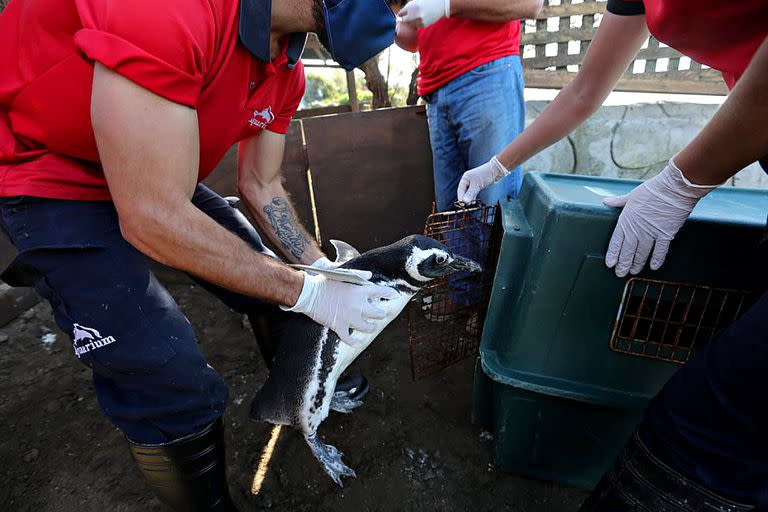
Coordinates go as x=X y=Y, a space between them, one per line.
x=341 y=402
x=330 y=458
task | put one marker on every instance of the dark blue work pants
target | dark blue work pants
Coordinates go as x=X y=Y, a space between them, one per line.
x=150 y=377
x=710 y=421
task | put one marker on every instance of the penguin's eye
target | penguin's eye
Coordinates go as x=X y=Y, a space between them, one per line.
x=440 y=259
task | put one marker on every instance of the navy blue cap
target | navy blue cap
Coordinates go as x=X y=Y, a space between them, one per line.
x=255 y=27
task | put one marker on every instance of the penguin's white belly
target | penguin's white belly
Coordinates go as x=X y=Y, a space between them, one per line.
x=347 y=353
x=312 y=416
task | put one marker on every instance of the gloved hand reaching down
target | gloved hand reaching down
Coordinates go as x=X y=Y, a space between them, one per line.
x=653 y=214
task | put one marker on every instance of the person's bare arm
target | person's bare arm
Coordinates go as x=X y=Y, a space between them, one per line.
x=495 y=10
x=737 y=135
x=149 y=149
x=616 y=43
x=407 y=37
x=259 y=182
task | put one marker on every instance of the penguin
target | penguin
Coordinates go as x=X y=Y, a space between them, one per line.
x=299 y=391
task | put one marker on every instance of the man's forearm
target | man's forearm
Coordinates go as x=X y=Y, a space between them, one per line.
x=181 y=236
x=615 y=44
x=495 y=10
x=737 y=135
x=276 y=218
x=259 y=182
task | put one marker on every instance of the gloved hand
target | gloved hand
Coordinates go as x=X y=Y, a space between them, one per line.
x=653 y=214
x=423 y=13
x=475 y=180
x=343 y=307
x=324 y=263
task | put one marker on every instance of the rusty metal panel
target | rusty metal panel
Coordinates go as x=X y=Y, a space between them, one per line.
x=445 y=319
x=371 y=174
x=669 y=321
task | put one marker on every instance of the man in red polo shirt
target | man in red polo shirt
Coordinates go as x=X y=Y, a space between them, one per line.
x=702 y=444
x=110 y=114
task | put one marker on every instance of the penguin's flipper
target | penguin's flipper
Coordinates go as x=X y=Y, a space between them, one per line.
x=271 y=406
x=344 y=251
x=345 y=275
x=330 y=458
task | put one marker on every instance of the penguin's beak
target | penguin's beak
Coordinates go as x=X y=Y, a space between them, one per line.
x=462 y=264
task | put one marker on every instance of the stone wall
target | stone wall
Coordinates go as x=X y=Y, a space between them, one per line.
x=630 y=141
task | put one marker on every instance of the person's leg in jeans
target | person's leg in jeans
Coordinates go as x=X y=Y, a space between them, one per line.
x=447 y=161
x=471 y=119
x=487 y=109
x=448 y=165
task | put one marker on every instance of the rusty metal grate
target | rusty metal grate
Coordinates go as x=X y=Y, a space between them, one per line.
x=445 y=320
x=669 y=321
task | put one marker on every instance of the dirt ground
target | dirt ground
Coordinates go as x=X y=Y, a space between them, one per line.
x=412 y=444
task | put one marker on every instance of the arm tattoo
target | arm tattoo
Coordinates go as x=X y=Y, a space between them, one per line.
x=280 y=215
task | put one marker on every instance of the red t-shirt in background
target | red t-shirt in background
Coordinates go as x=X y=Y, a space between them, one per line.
x=186 y=51
x=453 y=46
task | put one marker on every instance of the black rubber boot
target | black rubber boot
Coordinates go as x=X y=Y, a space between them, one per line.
x=188 y=475
x=640 y=482
x=354 y=386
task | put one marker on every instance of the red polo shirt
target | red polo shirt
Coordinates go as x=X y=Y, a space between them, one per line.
x=453 y=46
x=187 y=51
x=723 y=34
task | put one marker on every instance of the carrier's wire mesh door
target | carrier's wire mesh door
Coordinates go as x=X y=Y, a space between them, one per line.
x=445 y=320
x=669 y=321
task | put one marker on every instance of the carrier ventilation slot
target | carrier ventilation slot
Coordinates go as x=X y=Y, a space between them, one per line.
x=669 y=321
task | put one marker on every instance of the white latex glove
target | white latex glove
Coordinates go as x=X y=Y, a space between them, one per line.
x=475 y=180
x=423 y=13
x=653 y=214
x=325 y=263
x=343 y=307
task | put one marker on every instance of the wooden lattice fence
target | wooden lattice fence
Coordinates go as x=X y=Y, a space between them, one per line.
x=553 y=46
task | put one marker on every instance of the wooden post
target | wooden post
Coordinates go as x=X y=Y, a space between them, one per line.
x=352 y=89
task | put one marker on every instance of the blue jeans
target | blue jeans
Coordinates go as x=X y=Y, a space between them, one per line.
x=149 y=375
x=471 y=119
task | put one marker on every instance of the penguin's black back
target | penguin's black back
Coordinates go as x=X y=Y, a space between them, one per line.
x=293 y=367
